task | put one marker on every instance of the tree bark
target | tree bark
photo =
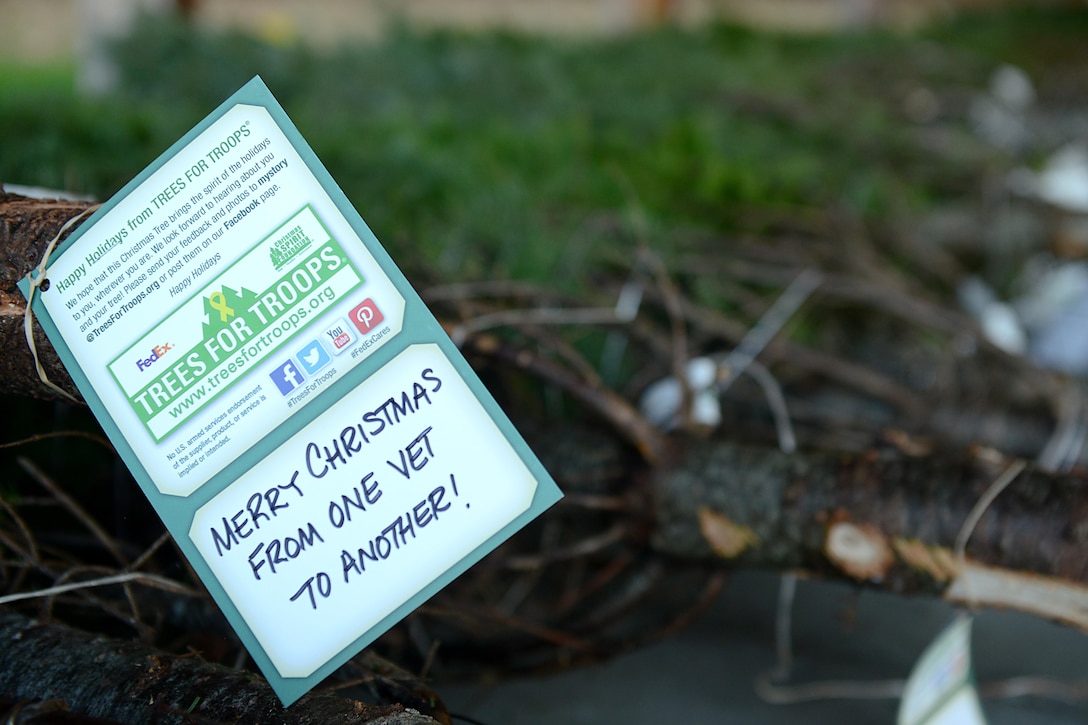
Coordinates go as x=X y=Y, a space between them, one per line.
x=789 y=502
x=126 y=682
x=760 y=507
x=26 y=228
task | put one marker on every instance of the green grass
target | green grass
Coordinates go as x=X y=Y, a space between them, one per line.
x=29 y=80
x=499 y=155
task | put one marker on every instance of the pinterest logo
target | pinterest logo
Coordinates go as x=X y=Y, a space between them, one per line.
x=366 y=316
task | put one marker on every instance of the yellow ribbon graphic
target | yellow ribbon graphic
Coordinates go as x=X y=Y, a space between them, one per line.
x=218 y=303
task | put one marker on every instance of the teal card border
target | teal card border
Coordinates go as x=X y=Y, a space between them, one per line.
x=419 y=327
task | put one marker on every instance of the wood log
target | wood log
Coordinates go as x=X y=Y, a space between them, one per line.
x=26 y=228
x=882 y=519
x=129 y=683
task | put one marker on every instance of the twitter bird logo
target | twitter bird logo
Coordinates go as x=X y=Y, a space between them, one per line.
x=313 y=357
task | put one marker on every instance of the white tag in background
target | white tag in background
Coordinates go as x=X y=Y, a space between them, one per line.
x=940 y=690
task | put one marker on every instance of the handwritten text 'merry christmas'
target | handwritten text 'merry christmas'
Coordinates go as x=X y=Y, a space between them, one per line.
x=269 y=556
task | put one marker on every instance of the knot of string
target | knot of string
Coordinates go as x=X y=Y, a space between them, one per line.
x=37 y=279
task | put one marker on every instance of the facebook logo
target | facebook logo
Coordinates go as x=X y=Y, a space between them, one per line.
x=287 y=377
x=313 y=357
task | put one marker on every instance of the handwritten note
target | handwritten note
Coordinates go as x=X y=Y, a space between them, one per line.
x=361 y=509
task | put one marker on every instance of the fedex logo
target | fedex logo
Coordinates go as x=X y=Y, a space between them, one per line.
x=156 y=352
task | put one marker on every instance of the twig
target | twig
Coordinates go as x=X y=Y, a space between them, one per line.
x=566 y=353
x=783 y=625
x=131 y=618
x=767 y=684
x=32 y=555
x=674 y=309
x=585 y=547
x=546 y=634
x=165 y=537
x=486 y=288
x=595 y=502
x=1000 y=484
x=787 y=441
x=772 y=321
x=851 y=374
x=687 y=616
x=104 y=442
x=540 y=316
x=75 y=509
x=643 y=582
x=1035 y=687
x=1067 y=440
x=134 y=576
x=615 y=409
x=828 y=690
x=612 y=569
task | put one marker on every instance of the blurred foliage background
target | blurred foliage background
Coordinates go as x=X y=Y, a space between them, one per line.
x=498 y=155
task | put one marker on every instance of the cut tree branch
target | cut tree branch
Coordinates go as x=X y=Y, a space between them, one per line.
x=130 y=683
x=26 y=227
x=883 y=519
